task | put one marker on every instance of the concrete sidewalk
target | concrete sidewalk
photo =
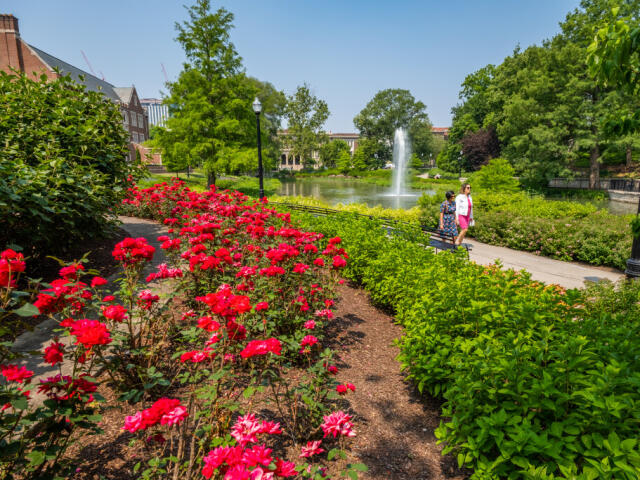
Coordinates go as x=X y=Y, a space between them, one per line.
x=547 y=270
x=40 y=337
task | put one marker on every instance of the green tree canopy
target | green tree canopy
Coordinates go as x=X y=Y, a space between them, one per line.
x=305 y=114
x=389 y=110
x=330 y=151
x=546 y=110
x=212 y=123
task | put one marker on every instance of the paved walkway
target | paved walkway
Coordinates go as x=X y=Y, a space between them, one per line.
x=547 y=270
x=40 y=337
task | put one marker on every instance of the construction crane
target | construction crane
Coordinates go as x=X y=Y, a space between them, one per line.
x=89 y=65
x=164 y=71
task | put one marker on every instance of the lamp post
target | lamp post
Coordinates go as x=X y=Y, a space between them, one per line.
x=257 y=108
x=633 y=264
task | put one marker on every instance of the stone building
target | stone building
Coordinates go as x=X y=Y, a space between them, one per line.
x=16 y=54
x=291 y=162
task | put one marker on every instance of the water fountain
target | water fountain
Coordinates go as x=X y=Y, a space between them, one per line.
x=401 y=156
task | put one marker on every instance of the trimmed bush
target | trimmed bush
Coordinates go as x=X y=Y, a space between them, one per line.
x=537 y=382
x=62 y=162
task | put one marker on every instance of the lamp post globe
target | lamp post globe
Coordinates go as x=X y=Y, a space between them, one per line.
x=257 y=108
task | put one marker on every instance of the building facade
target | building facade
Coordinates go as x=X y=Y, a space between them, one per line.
x=156 y=111
x=288 y=161
x=16 y=54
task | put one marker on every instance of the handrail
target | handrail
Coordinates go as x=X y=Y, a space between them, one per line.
x=386 y=222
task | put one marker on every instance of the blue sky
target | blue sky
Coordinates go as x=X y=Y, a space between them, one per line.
x=346 y=50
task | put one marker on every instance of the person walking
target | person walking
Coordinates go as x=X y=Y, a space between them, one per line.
x=448 y=214
x=464 y=211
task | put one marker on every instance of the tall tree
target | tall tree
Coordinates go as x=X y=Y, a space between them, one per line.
x=212 y=123
x=391 y=109
x=546 y=110
x=305 y=114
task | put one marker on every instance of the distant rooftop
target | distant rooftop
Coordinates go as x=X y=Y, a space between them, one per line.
x=90 y=81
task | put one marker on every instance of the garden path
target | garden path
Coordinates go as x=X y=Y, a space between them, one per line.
x=544 y=269
x=37 y=339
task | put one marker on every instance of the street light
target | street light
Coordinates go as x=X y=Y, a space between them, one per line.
x=257 y=107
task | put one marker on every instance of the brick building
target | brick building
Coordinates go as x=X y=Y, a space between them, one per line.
x=16 y=54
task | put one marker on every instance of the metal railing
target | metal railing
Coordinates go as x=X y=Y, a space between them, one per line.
x=436 y=238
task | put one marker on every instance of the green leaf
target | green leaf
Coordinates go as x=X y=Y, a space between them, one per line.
x=36 y=457
x=27 y=310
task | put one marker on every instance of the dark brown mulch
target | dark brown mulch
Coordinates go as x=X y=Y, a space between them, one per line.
x=394 y=423
x=100 y=258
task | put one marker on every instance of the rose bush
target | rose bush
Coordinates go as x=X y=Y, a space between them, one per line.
x=240 y=324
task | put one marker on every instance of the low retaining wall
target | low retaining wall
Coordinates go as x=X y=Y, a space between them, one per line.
x=625 y=197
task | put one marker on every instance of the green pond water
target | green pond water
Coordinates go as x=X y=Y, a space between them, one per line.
x=347 y=190
x=336 y=190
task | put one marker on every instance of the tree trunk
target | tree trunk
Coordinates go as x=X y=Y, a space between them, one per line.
x=211 y=178
x=594 y=168
x=188 y=171
x=629 y=158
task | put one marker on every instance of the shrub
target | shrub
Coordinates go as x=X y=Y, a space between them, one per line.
x=497 y=175
x=62 y=162
x=537 y=382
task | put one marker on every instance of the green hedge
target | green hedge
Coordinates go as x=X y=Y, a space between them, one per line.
x=557 y=229
x=62 y=163
x=537 y=383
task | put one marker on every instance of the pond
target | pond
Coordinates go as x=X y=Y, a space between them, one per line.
x=336 y=190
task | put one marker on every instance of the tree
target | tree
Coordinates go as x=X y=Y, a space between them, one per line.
x=479 y=147
x=546 y=110
x=330 y=151
x=389 y=110
x=344 y=162
x=305 y=114
x=614 y=61
x=212 y=122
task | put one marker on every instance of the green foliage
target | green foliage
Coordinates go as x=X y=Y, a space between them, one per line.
x=212 y=123
x=635 y=226
x=331 y=151
x=547 y=112
x=537 y=382
x=497 y=176
x=305 y=114
x=62 y=162
x=391 y=109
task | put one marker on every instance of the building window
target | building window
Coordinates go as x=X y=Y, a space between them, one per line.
x=125 y=118
x=133 y=120
x=297 y=159
x=283 y=159
x=141 y=137
x=291 y=160
x=135 y=137
x=140 y=121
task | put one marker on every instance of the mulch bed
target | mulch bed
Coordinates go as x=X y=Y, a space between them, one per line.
x=394 y=424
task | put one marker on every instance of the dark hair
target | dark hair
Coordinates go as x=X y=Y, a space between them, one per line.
x=463 y=187
x=449 y=194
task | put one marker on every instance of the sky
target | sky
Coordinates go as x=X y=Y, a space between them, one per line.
x=345 y=50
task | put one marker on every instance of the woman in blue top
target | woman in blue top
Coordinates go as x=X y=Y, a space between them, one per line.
x=448 y=215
